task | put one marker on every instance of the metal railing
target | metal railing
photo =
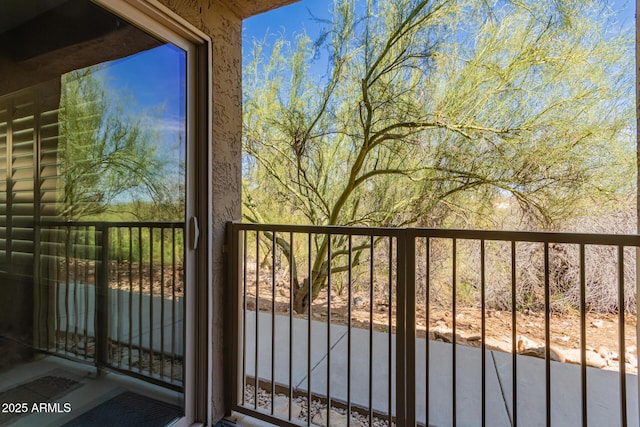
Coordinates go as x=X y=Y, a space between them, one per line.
x=366 y=349
x=112 y=294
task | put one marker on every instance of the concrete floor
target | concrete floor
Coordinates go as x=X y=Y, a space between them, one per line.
x=94 y=389
x=329 y=365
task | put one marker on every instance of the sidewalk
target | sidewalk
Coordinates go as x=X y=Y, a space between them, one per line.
x=603 y=386
x=76 y=304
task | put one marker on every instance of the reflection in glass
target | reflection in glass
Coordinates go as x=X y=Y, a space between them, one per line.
x=92 y=206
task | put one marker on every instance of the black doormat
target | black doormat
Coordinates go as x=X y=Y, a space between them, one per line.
x=128 y=409
x=43 y=389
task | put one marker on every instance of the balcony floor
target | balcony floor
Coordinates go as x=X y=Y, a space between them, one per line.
x=90 y=390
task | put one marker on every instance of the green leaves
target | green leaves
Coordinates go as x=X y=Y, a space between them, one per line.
x=424 y=100
x=104 y=152
x=440 y=113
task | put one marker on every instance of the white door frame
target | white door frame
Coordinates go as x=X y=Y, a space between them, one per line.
x=157 y=20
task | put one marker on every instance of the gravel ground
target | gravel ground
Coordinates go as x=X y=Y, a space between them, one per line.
x=299 y=408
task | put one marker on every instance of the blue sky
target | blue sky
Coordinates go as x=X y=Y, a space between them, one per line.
x=156 y=80
x=152 y=84
x=303 y=16
x=295 y=18
x=291 y=20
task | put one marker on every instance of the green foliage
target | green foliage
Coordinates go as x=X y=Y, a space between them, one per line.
x=104 y=152
x=158 y=247
x=434 y=112
x=110 y=170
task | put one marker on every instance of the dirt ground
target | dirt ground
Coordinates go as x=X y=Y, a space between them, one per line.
x=151 y=280
x=601 y=328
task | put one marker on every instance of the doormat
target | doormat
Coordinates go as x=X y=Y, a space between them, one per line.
x=44 y=389
x=128 y=409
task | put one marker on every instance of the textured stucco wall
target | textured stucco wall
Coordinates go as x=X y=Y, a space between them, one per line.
x=224 y=28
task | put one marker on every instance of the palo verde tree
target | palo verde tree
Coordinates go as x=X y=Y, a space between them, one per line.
x=430 y=108
x=104 y=151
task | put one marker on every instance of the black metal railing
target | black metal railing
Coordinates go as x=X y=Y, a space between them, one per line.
x=112 y=293
x=383 y=339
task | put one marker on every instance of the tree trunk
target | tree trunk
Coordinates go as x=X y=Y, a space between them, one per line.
x=301 y=293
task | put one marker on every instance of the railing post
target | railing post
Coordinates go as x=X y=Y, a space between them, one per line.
x=401 y=371
x=406 y=331
x=102 y=295
x=410 y=325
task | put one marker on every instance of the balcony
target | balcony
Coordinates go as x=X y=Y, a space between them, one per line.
x=108 y=321
x=408 y=326
x=430 y=327
x=116 y=296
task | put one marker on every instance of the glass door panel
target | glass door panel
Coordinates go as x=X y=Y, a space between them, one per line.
x=93 y=143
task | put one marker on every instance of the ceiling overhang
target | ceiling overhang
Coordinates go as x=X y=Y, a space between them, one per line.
x=43 y=39
x=247 y=8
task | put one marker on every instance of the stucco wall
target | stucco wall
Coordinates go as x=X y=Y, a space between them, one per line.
x=224 y=28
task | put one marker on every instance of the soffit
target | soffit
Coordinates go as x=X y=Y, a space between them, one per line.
x=47 y=38
x=247 y=8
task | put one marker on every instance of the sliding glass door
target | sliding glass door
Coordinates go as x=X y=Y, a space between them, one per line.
x=96 y=262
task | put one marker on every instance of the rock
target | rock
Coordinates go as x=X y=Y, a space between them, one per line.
x=525 y=343
x=442 y=323
x=359 y=302
x=603 y=352
x=316 y=315
x=444 y=336
x=593 y=358
x=630 y=358
x=281 y=408
x=597 y=323
x=572 y=356
x=336 y=419
x=499 y=345
x=526 y=347
x=319 y=419
x=555 y=354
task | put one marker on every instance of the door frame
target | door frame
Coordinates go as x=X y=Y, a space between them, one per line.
x=159 y=21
